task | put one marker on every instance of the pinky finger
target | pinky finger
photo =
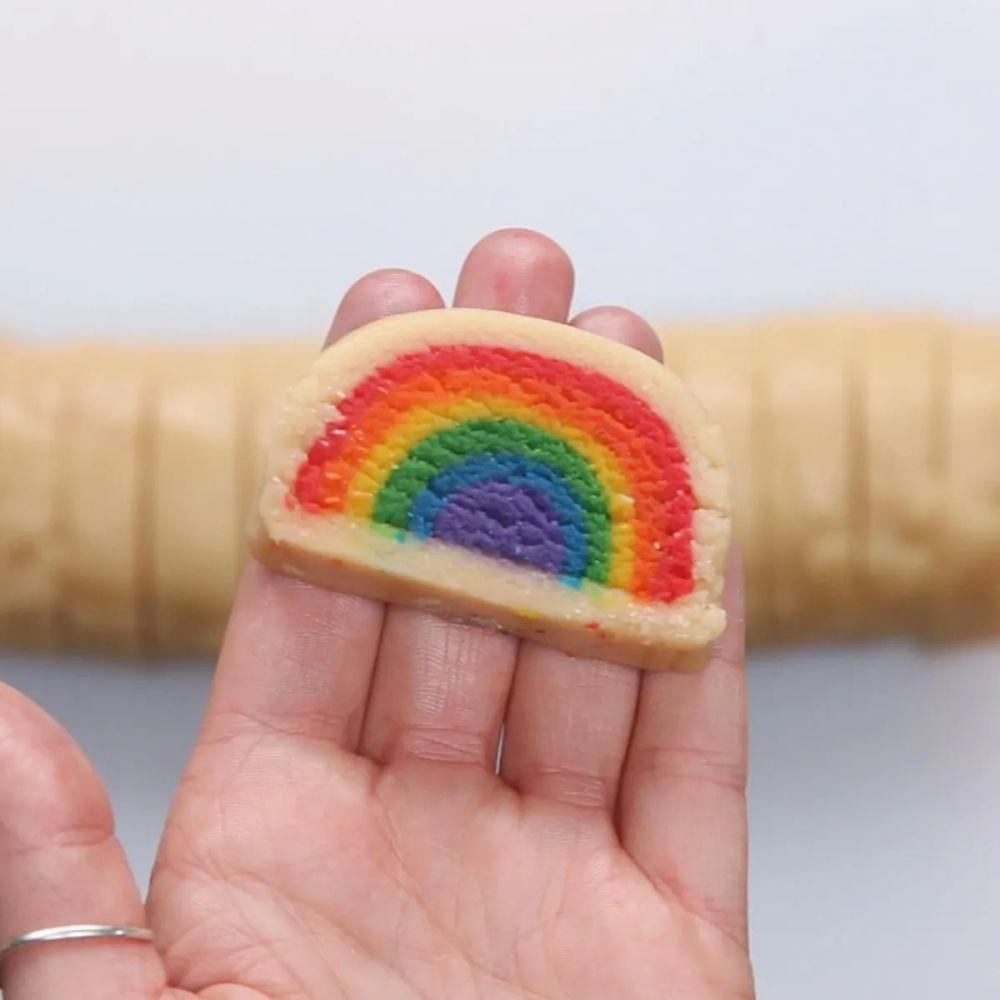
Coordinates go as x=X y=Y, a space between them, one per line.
x=683 y=803
x=61 y=864
x=622 y=325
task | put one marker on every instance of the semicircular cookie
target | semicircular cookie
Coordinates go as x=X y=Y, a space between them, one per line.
x=505 y=470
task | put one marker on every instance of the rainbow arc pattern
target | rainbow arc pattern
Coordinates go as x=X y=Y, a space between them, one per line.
x=517 y=456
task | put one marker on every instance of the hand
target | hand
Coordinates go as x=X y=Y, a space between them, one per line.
x=340 y=831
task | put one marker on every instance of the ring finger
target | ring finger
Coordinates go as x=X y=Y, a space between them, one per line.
x=569 y=719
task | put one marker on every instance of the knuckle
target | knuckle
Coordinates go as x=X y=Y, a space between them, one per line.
x=695 y=763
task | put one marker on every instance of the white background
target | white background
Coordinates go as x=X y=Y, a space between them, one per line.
x=195 y=168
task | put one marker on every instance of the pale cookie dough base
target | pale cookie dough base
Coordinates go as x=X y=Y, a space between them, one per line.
x=355 y=558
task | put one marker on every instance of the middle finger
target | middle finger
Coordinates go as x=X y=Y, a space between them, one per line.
x=440 y=687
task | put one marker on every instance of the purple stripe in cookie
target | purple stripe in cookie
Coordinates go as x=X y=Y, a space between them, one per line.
x=506 y=521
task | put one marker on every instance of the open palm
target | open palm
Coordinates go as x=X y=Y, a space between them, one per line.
x=342 y=830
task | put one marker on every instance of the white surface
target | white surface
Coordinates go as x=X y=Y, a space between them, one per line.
x=874 y=807
x=228 y=167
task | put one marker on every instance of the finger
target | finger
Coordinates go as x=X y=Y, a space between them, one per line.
x=517 y=271
x=622 y=325
x=61 y=864
x=440 y=687
x=569 y=720
x=297 y=659
x=382 y=293
x=683 y=803
x=439 y=690
x=567 y=727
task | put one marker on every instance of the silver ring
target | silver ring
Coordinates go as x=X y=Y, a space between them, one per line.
x=74 y=932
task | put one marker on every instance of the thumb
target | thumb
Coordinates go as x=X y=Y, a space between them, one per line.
x=61 y=864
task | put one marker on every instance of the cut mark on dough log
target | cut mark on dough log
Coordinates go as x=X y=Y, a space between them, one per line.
x=145 y=499
x=942 y=395
x=61 y=520
x=859 y=511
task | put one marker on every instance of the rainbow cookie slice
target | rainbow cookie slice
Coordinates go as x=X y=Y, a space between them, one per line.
x=509 y=471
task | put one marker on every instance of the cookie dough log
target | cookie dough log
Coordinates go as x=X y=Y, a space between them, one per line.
x=193 y=540
x=32 y=488
x=69 y=423
x=901 y=368
x=510 y=471
x=716 y=362
x=967 y=550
